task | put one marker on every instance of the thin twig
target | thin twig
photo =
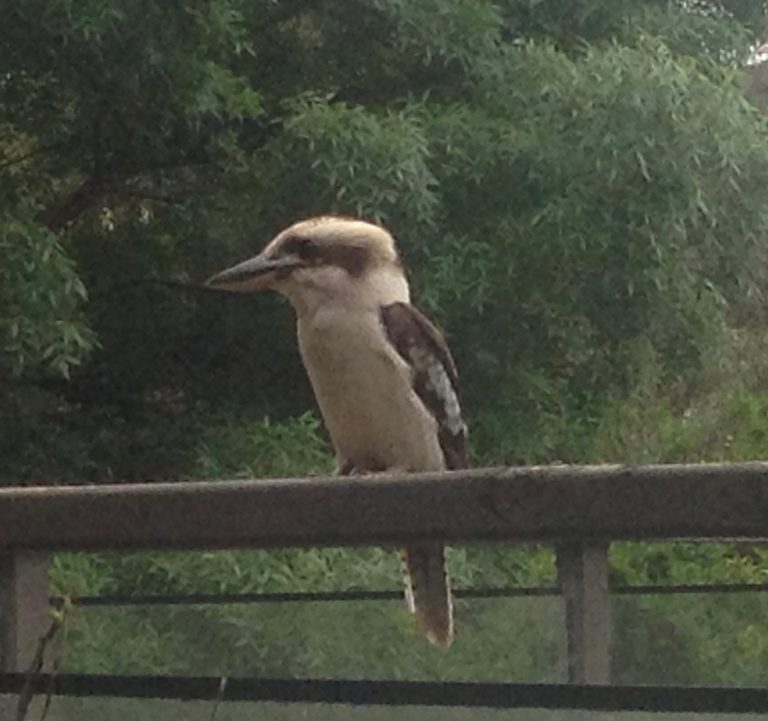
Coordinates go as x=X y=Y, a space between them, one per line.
x=34 y=672
x=56 y=666
x=175 y=285
x=32 y=153
x=219 y=698
x=156 y=197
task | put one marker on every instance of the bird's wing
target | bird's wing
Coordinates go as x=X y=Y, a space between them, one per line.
x=422 y=346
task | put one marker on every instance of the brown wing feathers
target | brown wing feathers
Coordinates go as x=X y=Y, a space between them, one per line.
x=423 y=347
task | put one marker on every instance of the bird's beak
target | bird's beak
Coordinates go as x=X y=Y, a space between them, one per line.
x=254 y=274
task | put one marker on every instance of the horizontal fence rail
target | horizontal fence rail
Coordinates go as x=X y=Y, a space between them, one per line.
x=548 y=503
x=659 y=699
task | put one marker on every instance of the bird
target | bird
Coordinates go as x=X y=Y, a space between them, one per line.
x=381 y=371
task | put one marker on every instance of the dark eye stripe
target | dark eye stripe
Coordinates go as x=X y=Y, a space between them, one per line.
x=354 y=259
x=301 y=246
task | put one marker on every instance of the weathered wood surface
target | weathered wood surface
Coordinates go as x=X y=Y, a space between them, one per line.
x=549 y=503
x=24 y=609
x=582 y=574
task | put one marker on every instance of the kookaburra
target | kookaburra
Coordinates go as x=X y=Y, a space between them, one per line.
x=381 y=372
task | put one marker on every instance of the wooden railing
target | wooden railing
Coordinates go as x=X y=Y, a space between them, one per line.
x=578 y=509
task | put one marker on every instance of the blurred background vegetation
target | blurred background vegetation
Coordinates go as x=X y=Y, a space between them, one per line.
x=579 y=189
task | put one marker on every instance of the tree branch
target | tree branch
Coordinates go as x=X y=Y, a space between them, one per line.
x=32 y=153
x=83 y=198
x=173 y=285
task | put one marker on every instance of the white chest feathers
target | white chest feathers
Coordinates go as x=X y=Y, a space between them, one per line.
x=364 y=390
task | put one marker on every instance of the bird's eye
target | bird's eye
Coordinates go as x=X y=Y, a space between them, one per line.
x=301 y=246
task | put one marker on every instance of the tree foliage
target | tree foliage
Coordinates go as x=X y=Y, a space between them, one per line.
x=578 y=188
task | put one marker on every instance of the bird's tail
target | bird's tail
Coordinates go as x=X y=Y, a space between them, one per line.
x=427 y=591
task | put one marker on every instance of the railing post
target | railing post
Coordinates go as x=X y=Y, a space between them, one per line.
x=24 y=614
x=582 y=574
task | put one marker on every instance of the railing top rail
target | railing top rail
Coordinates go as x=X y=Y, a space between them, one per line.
x=543 y=503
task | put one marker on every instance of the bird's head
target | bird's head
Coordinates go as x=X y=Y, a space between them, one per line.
x=321 y=260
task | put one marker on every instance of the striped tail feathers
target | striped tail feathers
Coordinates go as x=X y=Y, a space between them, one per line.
x=427 y=591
